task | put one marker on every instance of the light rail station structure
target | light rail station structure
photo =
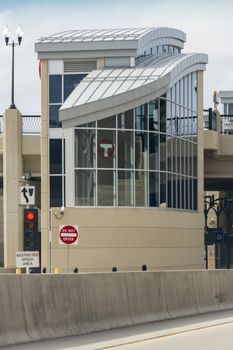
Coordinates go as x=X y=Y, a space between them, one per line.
x=120 y=153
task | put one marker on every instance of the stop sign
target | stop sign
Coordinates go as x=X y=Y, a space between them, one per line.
x=68 y=234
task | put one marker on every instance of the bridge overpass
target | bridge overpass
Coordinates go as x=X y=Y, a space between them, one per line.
x=218 y=151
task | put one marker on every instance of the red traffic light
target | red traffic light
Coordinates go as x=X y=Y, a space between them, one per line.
x=30 y=216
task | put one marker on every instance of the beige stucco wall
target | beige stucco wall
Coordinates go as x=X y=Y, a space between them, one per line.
x=211 y=140
x=129 y=237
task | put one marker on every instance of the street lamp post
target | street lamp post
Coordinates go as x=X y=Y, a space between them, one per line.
x=7 y=35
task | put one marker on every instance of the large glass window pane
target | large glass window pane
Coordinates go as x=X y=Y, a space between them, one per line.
x=125 y=120
x=154 y=189
x=183 y=204
x=190 y=159
x=178 y=152
x=178 y=192
x=174 y=154
x=140 y=150
x=194 y=126
x=230 y=108
x=191 y=194
x=163 y=152
x=105 y=188
x=190 y=125
x=169 y=154
x=187 y=158
x=141 y=117
x=84 y=148
x=54 y=116
x=70 y=83
x=55 y=191
x=163 y=191
x=153 y=151
x=109 y=122
x=55 y=156
x=153 y=115
x=106 y=148
x=187 y=193
x=88 y=125
x=125 y=149
x=84 y=187
x=182 y=157
x=55 y=88
x=195 y=194
x=64 y=156
x=195 y=159
x=169 y=190
x=162 y=115
x=186 y=122
x=141 y=188
x=168 y=115
x=174 y=196
x=125 y=188
x=174 y=118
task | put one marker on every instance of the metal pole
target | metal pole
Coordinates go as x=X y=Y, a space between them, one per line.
x=12 y=106
x=50 y=240
x=68 y=253
x=206 y=246
x=228 y=237
x=218 y=245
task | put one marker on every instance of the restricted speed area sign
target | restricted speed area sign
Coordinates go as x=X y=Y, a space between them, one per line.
x=68 y=235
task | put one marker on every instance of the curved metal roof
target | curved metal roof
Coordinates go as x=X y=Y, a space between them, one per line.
x=108 y=91
x=129 y=42
x=112 y=35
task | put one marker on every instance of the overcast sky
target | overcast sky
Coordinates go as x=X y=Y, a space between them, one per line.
x=207 y=23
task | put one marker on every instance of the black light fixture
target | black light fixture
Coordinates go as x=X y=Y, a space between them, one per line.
x=7 y=35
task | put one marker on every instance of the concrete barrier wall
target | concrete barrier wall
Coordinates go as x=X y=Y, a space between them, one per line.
x=35 y=307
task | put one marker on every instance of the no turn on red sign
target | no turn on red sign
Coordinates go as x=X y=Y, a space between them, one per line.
x=68 y=235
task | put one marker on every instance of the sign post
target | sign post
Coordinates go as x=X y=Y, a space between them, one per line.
x=68 y=235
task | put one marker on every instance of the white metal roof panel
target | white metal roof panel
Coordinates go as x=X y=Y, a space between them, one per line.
x=101 y=86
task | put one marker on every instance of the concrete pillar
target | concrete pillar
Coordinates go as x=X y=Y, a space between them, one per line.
x=12 y=172
x=44 y=166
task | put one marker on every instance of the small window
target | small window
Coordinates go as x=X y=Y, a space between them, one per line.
x=55 y=88
x=70 y=83
x=55 y=156
x=54 y=116
x=55 y=191
x=109 y=122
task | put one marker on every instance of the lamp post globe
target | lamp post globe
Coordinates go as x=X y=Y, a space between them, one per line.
x=12 y=44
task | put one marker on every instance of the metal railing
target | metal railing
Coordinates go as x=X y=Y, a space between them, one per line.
x=210 y=122
x=227 y=124
x=209 y=119
x=31 y=124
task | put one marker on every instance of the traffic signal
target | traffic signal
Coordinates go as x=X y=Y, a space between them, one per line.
x=31 y=230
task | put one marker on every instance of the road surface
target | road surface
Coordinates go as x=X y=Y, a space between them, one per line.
x=211 y=331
